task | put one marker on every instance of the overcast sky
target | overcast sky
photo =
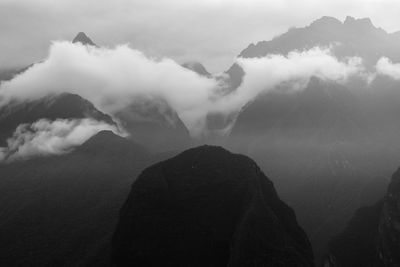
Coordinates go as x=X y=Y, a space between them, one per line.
x=210 y=31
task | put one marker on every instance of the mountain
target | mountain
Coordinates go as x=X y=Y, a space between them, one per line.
x=323 y=110
x=372 y=236
x=82 y=38
x=62 y=106
x=8 y=74
x=341 y=144
x=353 y=37
x=356 y=244
x=207 y=207
x=61 y=210
x=153 y=123
x=341 y=138
x=389 y=230
x=197 y=67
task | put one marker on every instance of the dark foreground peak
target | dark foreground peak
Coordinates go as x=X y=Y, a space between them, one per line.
x=208 y=207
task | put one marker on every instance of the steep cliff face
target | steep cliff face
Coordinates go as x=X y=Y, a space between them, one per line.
x=389 y=226
x=357 y=244
x=372 y=237
x=208 y=207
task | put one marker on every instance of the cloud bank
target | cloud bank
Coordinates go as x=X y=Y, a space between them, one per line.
x=265 y=74
x=46 y=137
x=112 y=79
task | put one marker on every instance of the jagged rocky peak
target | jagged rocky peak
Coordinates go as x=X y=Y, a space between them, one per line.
x=83 y=39
x=362 y=25
x=207 y=207
x=353 y=21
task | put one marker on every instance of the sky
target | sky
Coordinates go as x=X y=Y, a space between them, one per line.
x=212 y=32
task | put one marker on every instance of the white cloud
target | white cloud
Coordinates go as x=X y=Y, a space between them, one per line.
x=115 y=78
x=266 y=73
x=386 y=67
x=46 y=137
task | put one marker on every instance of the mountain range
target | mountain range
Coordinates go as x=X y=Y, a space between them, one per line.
x=328 y=148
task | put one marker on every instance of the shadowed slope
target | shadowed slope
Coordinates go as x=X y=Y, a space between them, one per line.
x=208 y=207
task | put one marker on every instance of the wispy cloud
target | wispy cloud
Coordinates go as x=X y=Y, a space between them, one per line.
x=386 y=67
x=46 y=137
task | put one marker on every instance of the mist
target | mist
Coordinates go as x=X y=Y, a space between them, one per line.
x=44 y=137
x=386 y=67
x=112 y=78
x=264 y=74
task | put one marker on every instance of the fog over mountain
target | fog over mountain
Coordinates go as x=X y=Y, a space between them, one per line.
x=124 y=75
x=92 y=127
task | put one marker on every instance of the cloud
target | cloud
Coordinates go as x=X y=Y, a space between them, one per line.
x=113 y=79
x=265 y=74
x=385 y=66
x=46 y=137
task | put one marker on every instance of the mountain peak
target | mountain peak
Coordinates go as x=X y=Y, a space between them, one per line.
x=349 y=19
x=108 y=142
x=196 y=67
x=82 y=38
x=359 y=23
x=326 y=21
x=207 y=207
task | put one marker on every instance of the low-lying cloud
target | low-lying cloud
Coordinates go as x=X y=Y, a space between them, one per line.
x=386 y=67
x=266 y=73
x=112 y=79
x=46 y=137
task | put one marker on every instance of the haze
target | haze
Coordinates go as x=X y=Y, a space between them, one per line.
x=212 y=32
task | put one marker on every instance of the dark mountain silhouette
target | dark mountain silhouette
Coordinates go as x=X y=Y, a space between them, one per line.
x=372 y=237
x=62 y=210
x=357 y=244
x=208 y=207
x=197 y=67
x=83 y=39
x=389 y=230
x=63 y=106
